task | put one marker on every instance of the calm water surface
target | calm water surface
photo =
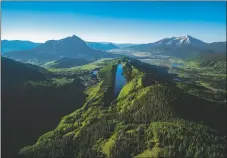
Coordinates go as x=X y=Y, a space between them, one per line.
x=176 y=65
x=120 y=80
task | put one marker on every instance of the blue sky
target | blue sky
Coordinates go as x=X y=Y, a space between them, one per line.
x=120 y=22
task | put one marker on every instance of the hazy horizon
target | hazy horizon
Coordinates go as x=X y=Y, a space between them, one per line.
x=116 y=22
x=99 y=41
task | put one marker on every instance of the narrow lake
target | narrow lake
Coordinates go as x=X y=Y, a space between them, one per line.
x=177 y=64
x=94 y=72
x=120 y=80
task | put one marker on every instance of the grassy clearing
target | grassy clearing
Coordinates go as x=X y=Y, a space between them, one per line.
x=96 y=64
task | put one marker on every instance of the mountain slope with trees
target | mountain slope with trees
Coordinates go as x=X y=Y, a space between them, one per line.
x=150 y=117
x=33 y=102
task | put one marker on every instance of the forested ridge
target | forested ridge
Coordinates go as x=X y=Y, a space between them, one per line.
x=151 y=117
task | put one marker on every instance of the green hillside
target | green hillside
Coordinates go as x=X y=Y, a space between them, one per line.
x=151 y=117
x=66 y=62
x=217 y=61
x=203 y=76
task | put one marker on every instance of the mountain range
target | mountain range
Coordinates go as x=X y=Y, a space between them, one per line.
x=12 y=45
x=51 y=50
x=16 y=45
x=75 y=47
x=183 y=46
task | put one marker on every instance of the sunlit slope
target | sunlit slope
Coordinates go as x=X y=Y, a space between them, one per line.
x=150 y=117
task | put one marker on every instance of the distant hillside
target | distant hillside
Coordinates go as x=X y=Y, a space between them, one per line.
x=56 y=49
x=17 y=45
x=183 y=47
x=219 y=47
x=167 y=50
x=101 y=46
x=33 y=101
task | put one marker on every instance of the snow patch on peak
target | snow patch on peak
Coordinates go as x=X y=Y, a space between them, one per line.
x=186 y=39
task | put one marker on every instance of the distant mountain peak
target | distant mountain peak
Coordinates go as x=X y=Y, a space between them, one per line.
x=186 y=39
x=188 y=36
x=73 y=37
